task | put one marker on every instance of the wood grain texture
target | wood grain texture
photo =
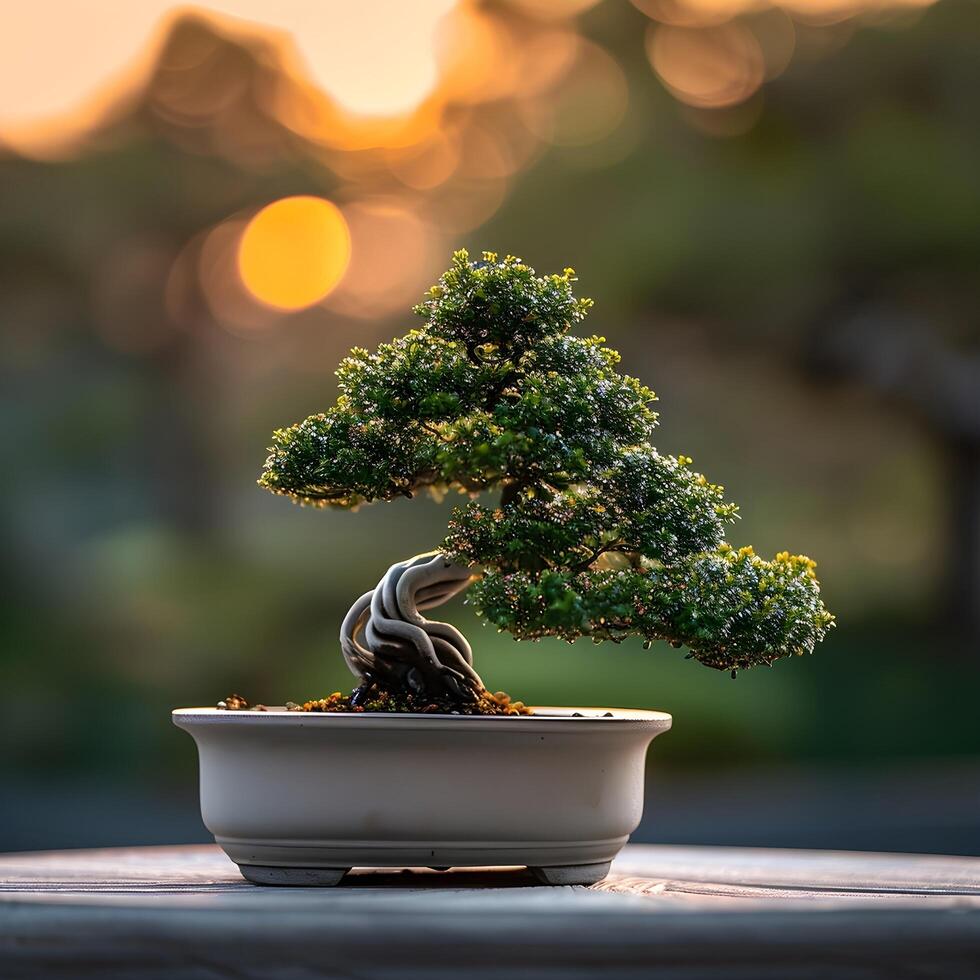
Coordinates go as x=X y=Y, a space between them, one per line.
x=682 y=912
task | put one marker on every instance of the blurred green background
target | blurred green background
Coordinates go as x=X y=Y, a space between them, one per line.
x=777 y=211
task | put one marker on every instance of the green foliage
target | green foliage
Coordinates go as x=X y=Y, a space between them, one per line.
x=596 y=534
x=642 y=503
x=500 y=303
x=731 y=608
x=342 y=458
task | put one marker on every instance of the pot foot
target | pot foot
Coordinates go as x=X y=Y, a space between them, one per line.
x=261 y=874
x=572 y=874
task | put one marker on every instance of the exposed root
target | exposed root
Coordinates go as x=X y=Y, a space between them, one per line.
x=391 y=648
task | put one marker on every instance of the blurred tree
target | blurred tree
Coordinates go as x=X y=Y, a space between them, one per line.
x=846 y=190
x=838 y=229
x=901 y=355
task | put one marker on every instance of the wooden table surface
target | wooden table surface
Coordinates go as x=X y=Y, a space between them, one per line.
x=688 y=912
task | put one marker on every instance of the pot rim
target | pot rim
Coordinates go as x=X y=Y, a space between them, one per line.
x=545 y=716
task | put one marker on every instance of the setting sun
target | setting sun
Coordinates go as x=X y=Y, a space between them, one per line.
x=294 y=252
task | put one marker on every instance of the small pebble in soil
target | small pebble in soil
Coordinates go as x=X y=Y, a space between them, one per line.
x=234 y=702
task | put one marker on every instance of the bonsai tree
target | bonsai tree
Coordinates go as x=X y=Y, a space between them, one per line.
x=595 y=532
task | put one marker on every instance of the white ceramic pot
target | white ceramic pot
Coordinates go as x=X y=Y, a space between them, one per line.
x=300 y=798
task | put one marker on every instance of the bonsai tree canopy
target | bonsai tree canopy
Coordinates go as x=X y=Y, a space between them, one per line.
x=595 y=533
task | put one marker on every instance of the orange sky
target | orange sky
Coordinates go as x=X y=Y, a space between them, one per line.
x=60 y=60
x=63 y=61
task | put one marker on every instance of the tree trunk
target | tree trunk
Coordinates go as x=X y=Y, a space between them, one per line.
x=389 y=646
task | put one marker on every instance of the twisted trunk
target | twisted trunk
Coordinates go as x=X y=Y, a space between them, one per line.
x=390 y=646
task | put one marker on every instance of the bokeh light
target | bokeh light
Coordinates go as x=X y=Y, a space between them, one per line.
x=709 y=67
x=294 y=252
x=715 y=54
x=52 y=88
x=427 y=164
x=591 y=103
x=390 y=75
x=689 y=13
x=381 y=73
x=214 y=255
x=477 y=55
x=393 y=251
x=553 y=9
x=776 y=34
